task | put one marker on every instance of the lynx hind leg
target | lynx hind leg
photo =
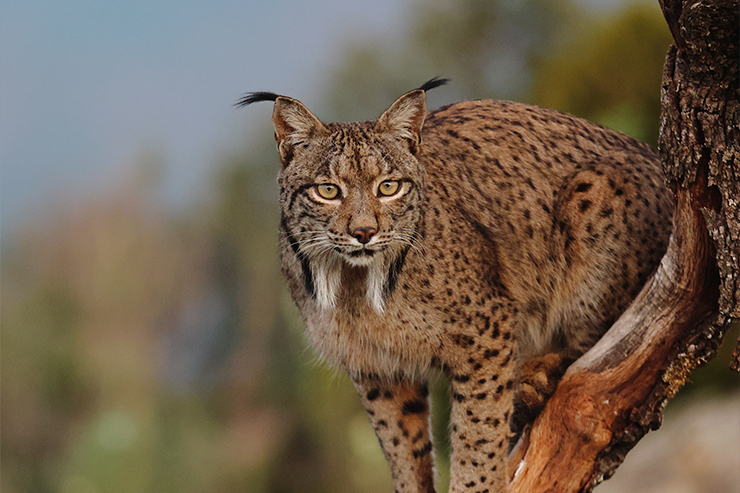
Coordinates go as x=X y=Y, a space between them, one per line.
x=536 y=380
x=399 y=413
x=613 y=222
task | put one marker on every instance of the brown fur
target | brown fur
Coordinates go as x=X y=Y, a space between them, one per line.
x=518 y=235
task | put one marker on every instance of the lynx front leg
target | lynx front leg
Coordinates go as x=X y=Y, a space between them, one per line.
x=482 y=395
x=399 y=412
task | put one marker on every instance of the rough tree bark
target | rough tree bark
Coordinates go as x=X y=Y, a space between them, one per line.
x=615 y=394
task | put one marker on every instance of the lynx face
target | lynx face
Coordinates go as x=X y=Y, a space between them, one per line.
x=351 y=196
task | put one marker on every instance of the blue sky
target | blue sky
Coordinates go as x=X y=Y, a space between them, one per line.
x=86 y=85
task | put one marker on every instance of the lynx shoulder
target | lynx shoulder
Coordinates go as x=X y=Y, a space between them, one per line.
x=492 y=241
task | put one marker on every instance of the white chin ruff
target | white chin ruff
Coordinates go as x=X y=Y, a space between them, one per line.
x=361 y=260
x=327 y=278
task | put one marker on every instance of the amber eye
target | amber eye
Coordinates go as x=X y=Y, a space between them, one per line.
x=328 y=191
x=388 y=188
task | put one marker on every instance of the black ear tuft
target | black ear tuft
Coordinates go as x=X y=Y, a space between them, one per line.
x=254 y=97
x=432 y=83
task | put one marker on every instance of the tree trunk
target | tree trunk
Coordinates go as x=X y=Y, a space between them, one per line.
x=616 y=392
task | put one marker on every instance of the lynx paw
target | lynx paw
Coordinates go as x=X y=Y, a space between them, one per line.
x=537 y=380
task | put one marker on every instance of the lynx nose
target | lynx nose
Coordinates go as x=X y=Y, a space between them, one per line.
x=364 y=234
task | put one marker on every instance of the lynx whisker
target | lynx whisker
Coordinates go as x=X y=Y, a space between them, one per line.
x=412 y=239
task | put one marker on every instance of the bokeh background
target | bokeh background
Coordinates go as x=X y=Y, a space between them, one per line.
x=148 y=343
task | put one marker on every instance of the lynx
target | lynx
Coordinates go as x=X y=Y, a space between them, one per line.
x=491 y=241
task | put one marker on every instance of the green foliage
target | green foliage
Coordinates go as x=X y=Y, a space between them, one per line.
x=611 y=73
x=487 y=47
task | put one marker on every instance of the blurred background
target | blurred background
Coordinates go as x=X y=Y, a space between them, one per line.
x=148 y=343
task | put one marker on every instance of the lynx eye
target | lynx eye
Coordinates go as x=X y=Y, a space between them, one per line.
x=388 y=188
x=328 y=191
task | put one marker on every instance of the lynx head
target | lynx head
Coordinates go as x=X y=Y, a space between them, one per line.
x=350 y=194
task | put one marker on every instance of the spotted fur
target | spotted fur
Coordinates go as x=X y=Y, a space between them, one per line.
x=517 y=236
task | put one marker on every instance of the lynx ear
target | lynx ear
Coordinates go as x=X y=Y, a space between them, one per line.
x=404 y=119
x=295 y=126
